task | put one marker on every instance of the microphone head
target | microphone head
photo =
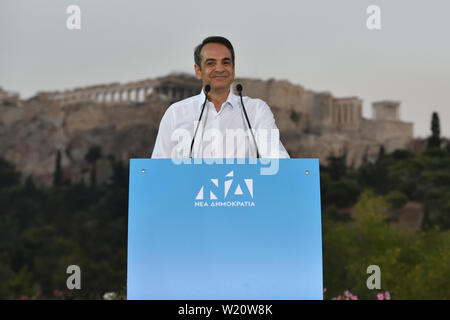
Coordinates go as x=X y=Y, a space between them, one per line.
x=239 y=88
x=207 y=88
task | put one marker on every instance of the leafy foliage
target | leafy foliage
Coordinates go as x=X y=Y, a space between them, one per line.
x=434 y=141
x=44 y=230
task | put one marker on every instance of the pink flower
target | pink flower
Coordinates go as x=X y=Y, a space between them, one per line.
x=387 y=295
x=57 y=293
x=23 y=298
x=380 y=296
x=346 y=296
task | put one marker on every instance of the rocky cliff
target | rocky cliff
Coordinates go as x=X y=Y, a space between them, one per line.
x=31 y=135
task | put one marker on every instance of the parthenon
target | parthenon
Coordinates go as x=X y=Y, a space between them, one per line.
x=171 y=88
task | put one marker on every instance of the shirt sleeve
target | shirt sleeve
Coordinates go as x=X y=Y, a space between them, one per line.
x=266 y=121
x=163 y=144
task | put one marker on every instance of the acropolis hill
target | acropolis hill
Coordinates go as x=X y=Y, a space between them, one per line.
x=123 y=119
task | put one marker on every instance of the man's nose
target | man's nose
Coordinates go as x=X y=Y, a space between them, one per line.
x=219 y=67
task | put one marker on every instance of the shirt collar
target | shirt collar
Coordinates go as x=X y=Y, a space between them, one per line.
x=232 y=100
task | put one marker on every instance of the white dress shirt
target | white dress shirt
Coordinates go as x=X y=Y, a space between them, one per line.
x=222 y=134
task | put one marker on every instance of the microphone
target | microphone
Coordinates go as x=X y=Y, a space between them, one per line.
x=239 y=89
x=207 y=89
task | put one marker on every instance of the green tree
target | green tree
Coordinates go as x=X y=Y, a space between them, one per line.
x=57 y=176
x=343 y=193
x=396 y=199
x=295 y=116
x=434 y=141
x=381 y=154
x=94 y=153
x=8 y=174
x=337 y=166
x=120 y=174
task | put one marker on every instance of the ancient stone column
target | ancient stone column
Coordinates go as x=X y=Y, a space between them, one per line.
x=145 y=94
x=138 y=95
x=352 y=110
x=346 y=113
x=333 y=114
x=354 y=107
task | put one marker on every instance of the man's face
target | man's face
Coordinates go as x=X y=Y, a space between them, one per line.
x=217 y=68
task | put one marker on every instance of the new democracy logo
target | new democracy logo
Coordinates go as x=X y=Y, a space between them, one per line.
x=226 y=192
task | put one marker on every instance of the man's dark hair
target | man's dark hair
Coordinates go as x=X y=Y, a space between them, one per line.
x=215 y=39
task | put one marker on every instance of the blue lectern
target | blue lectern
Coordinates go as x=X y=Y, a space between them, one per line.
x=224 y=231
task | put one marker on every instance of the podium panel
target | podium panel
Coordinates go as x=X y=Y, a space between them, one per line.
x=224 y=231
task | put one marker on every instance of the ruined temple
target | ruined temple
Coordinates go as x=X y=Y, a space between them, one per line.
x=176 y=86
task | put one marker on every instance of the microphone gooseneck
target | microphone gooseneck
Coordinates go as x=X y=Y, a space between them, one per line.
x=239 y=89
x=207 y=89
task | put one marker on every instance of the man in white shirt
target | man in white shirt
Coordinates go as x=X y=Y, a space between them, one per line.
x=223 y=131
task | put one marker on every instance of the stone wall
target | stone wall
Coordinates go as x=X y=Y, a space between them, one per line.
x=391 y=134
x=279 y=93
x=9 y=98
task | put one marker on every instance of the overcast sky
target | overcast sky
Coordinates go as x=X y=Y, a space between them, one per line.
x=321 y=45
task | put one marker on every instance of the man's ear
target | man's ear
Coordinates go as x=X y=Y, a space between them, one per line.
x=198 y=73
